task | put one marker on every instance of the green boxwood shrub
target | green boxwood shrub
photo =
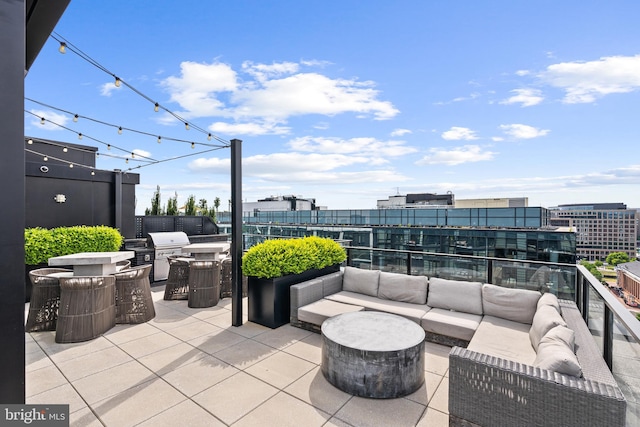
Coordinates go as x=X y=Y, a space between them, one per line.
x=40 y=244
x=275 y=258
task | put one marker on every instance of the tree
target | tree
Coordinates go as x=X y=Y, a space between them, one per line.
x=190 y=206
x=615 y=258
x=155 y=203
x=202 y=207
x=216 y=203
x=172 y=205
x=212 y=214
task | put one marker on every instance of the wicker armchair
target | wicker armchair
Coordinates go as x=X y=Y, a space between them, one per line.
x=87 y=307
x=177 y=286
x=45 y=299
x=134 y=303
x=204 y=284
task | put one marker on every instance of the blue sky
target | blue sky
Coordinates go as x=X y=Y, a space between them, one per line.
x=354 y=101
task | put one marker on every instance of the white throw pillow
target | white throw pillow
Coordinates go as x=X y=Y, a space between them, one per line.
x=549 y=299
x=555 y=352
x=402 y=287
x=361 y=281
x=518 y=305
x=545 y=319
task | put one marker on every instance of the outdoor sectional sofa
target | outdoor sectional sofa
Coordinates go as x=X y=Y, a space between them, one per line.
x=519 y=357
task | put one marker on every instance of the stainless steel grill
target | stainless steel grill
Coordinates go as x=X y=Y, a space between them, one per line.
x=165 y=244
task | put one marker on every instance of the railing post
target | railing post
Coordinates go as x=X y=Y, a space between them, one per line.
x=409 y=263
x=489 y=271
x=585 y=300
x=608 y=337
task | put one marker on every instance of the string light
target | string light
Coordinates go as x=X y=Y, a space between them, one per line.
x=159 y=139
x=65 y=149
x=30 y=141
x=186 y=125
x=120 y=130
x=62 y=48
x=75 y=118
x=156 y=107
x=79 y=136
x=41 y=120
x=193 y=145
x=133 y=155
x=71 y=165
x=118 y=82
x=108 y=146
x=93 y=173
x=126 y=160
x=209 y=137
x=45 y=158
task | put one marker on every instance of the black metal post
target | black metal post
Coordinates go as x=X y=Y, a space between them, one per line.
x=236 y=232
x=608 y=337
x=118 y=199
x=12 y=174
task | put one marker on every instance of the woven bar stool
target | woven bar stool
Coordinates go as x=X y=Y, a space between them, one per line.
x=87 y=307
x=177 y=287
x=225 y=279
x=204 y=284
x=45 y=299
x=134 y=303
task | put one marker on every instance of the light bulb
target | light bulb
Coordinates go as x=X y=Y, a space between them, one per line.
x=30 y=141
x=97 y=154
x=133 y=155
x=71 y=165
x=209 y=137
x=120 y=130
x=186 y=126
x=126 y=160
x=79 y=136
x=45 y=158
x=65 y=149
x=156 y=107
x=118 y=81
x=108 y=146
x=93 y=173
x=193 y=145
x=63 y=47
x=75 y=118
x=159 y=139
x=41 y=120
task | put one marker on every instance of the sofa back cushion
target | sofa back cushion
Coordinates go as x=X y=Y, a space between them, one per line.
x=455 y=295
x=545 y=319
x=549 y=299
x=518 y=305
x=361 y=281
x=402 y=287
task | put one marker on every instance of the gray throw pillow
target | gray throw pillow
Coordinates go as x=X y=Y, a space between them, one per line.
x=549 y=299
x=545 y=319
x=518 y=305
x=555 y=352
x=455 y=295
x=361 y=281
x=402 y=287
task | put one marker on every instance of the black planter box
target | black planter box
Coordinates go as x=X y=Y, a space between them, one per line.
x=269 y=299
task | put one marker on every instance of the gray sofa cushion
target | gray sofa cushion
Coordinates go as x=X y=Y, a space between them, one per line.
x=546 y=318
x=455 y=295
x=453 y=324
x=549 y=299
x=413 y=312
x=555 y=352
x=518 y=305
x=319 y=311
x=361 y=281
x=503 y=338
x=401 y=287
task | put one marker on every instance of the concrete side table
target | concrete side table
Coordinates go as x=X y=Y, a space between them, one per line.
x=373 y=354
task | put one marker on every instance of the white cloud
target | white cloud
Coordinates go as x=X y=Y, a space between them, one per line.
x=361 y=146
x=518 y=131
x=51 y=117
x=522 y=73
x=107 y=88
x=400 y=132
x=272 y=93
x=456 y=156
x=250 y=129
x=525 y=97
x=457 y=133
x=584 y=82
x=142 y=153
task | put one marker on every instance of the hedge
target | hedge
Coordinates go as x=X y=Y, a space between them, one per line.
x=279 y=257
x=40 y=244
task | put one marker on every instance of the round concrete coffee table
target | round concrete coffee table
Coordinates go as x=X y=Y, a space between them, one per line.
x=373 y=354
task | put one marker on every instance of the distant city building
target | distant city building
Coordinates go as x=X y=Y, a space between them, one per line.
x=280 y=203
x=628 y=275
x=417 y=201
x=503 y=202
x=601 y=228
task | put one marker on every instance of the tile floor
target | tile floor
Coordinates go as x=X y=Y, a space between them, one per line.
x=190 y=367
